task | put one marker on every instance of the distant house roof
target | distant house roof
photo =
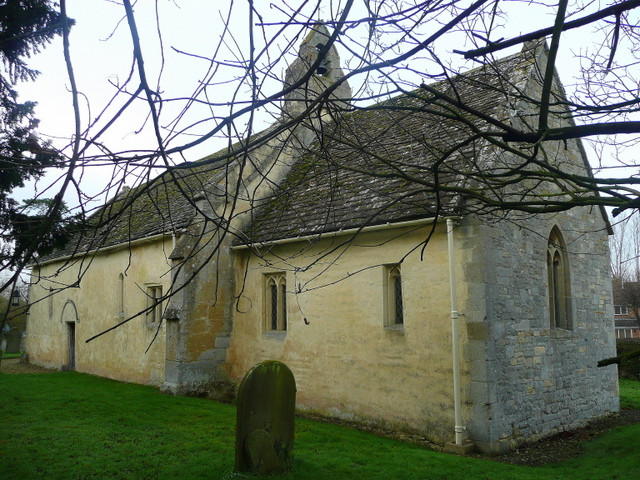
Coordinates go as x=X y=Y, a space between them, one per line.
x=627 y=319
x=618 y=298
x=627 y=323
x=625 y=291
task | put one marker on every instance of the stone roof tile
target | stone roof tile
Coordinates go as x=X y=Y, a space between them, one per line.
x=344 y=181
x=376 y=165
x=161 y=206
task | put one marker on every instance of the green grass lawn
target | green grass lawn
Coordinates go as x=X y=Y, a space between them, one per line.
x=11 y=355
x=73 y=426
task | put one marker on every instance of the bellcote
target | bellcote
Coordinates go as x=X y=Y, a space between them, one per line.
x=325 y=74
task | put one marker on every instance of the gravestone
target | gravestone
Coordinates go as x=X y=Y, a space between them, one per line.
x=266 y=417
x=14 y=338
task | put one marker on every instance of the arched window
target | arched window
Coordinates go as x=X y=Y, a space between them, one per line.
x=120 y=312
x=558 y=282
x=50 y=303
x=276 y=302
x=394 y=307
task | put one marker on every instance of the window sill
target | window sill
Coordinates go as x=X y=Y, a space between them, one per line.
x=275 y=334
x=561 y=333
x=399 y=327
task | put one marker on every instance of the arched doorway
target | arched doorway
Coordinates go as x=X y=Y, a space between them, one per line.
x=69 y=318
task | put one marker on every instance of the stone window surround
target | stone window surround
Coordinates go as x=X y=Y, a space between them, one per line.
x=393 y=315
x=559 y=282
x=153 y=292
x=50 y=306
x=275 y=308
x=120 y=300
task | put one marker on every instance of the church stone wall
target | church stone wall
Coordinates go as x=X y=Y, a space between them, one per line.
x=97 y=305
x=531 y=380
x=347 y=364
x=201 y=313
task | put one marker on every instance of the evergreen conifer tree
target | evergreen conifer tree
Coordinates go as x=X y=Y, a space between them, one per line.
x=26 y=26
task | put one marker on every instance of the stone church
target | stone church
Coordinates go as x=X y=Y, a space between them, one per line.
x=334 y=245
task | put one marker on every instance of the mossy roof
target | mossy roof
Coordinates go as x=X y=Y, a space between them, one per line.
x=161 y=206
x=374 y=166
x=379 y=165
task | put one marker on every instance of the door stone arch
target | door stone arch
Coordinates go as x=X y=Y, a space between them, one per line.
x=69 y=313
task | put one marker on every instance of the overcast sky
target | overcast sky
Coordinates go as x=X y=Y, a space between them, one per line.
x=101 y=53
x=102 y=60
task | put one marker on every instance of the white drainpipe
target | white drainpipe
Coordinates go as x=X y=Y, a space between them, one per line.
x=457 y=403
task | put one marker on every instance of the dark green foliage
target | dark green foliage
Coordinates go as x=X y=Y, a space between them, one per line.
x=26 y=26
x=51 y=231
x=628 y=367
